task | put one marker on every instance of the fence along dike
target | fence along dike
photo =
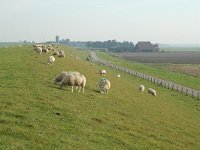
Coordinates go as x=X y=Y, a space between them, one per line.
x=163 y=83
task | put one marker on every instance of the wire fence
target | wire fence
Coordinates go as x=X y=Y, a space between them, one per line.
x=163 y=83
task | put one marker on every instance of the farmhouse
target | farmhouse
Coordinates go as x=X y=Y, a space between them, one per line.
x=146 y=46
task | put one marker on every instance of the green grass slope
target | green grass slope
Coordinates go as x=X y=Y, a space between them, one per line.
x=36 y=114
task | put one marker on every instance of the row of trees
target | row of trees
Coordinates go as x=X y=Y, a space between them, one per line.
x=112 y=45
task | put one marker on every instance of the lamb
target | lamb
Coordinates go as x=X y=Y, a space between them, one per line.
x=152 y=91
x=104 y=85
x=74 y=79
x=102 y=72
x=118 y=76
x=51 y=59
x=141 y=88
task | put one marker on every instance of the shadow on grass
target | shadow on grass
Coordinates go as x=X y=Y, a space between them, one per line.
x=96 y=91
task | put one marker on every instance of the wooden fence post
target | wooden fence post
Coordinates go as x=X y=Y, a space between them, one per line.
x=172 y=86
x=182 y=90
x=192 y=94
x=168 y=85
x=186 y=92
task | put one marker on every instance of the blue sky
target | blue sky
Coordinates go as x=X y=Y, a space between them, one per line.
x=159 y=21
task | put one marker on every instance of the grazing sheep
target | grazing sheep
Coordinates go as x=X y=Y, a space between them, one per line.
x=45 y=50
x=56 y=53
x=74 y=79
x=104 y=85
x=141 y=88
x=51 y=59
x=152 y=92
x=37 y=45
x=80 y=81
x=61 y=55
x=44 y=46
x=61 y=52
x=118 y=76
x=38 y=49
x=102 y=72
x=60 y=77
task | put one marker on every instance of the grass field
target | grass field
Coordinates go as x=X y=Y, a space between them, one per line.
x=175 y=77
x=36 y=114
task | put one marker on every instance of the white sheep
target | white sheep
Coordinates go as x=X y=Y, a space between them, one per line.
x=74 y=79
x=61 y=52
x=60 y=77
x=51 y=59
x=45 y=50
x=102 y=72
x=61 y=55
x=118 y=76
x=141 y=88
x=38 y=49
x=80 y=81
x=37 y=45
x=55 y=53
x=44 y=46
x=104 y=85
x=152 y=91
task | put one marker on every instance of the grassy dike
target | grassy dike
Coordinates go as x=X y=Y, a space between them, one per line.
x=36 y=114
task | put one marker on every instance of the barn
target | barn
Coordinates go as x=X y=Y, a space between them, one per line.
x=146 y=46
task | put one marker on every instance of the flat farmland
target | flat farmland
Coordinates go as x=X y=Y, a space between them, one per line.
x=174 y=57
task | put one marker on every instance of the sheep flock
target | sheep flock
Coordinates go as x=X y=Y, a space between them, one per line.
x=74 y=79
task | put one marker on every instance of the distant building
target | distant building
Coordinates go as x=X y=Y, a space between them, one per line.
x=146 y=46
x=57 y=39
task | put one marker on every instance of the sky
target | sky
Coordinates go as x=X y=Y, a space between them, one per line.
x=158 y=21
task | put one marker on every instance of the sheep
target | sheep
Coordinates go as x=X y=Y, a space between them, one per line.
x=104 y=85
x=118 y=76
x=141 y=88
x=56 y=53
x=61 y=52
x=74 y=79
x=61 y=55
x=51 y=59
x=60 y=77
x=38 y=49
x=45 y=50
x=37 y=45
x=43 y=46
x=50 y=48
x=102 y=72
x=152 y=91
x=80 y=81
